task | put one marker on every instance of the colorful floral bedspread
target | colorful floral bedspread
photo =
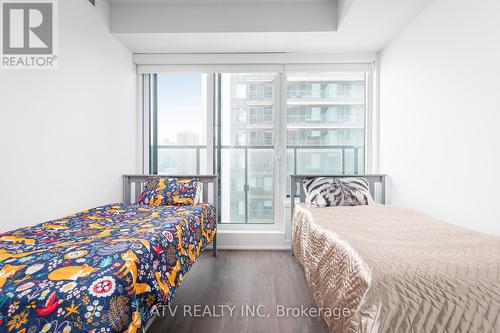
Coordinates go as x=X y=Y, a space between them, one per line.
x=101 y=270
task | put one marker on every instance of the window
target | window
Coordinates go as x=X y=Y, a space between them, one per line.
x=179 y=125
x=325 y=123
x=260 y=89
x=260 y=115
x=237 y=124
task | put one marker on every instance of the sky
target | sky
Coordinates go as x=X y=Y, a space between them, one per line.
x=181 y=104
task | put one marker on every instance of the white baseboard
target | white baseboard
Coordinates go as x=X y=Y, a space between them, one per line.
x=257 y=248
x=252 y=241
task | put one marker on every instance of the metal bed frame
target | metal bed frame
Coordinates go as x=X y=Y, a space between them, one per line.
x=138 y=181
x=372 y=181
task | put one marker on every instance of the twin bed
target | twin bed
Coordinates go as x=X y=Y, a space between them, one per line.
x=390 y=269
x=103 y=269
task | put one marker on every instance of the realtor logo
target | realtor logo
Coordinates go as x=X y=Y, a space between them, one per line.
x=28 y=34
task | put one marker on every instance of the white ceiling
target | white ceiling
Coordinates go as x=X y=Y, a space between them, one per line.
x=365 y=26
x=183 y=2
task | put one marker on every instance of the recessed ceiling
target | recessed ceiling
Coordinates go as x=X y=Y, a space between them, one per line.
x=363 y=26
x=203 y=2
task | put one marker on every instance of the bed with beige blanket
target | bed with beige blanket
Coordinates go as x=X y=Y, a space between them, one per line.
x=392 y=269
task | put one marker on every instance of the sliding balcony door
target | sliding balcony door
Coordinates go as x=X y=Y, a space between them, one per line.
x=248 y=141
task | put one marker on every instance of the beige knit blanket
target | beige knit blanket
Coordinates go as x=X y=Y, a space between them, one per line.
x=390 y=269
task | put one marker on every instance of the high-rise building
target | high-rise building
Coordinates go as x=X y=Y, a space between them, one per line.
x=325 y=122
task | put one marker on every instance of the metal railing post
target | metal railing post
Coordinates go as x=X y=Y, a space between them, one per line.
x=343 y=160
x=247 y=187
x=356 y=169
x=294 y=161
x=197 y=160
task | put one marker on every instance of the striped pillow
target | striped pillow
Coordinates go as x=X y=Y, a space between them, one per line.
x=325 y=191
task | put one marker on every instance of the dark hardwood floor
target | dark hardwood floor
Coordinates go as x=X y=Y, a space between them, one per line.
x=262 y=281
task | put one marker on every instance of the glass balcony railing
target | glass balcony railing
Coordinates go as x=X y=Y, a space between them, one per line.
x=181 y=159
x=249 y=171
x=192 y=159
x=324 y=159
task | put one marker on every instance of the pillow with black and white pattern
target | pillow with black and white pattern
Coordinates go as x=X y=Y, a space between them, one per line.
x=348 y=191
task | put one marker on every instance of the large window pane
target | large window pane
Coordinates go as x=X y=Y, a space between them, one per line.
x=181 y=124
x=325 y=123
x=247 y=118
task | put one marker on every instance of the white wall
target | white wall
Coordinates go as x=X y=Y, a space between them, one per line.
x=67 y=135
x=440 y=113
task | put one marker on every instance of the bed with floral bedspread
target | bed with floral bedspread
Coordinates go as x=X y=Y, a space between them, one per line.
x=100 y=270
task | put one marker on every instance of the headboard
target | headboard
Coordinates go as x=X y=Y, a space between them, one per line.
x=373 y=180
x=139 y=180
x=130 y=196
